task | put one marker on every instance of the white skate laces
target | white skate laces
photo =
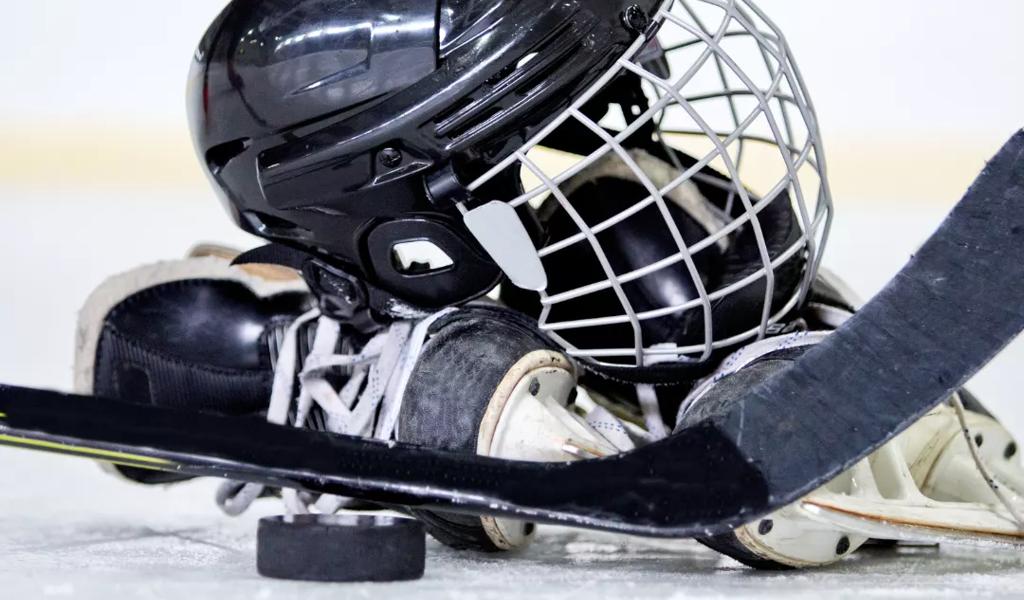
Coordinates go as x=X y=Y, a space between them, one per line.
x=366 y=405
x=979 y=462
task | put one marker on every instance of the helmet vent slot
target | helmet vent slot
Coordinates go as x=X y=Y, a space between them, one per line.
x=271 y=226
x=220 y=155
x=506 y=91
x=419 y=257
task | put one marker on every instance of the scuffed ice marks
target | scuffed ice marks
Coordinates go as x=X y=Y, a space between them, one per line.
x=108 y=539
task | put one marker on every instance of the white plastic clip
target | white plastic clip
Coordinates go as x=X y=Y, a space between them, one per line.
x=500 y=231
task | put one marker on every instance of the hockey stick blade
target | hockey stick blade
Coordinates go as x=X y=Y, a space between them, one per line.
x=954 y=306
x=693 y=483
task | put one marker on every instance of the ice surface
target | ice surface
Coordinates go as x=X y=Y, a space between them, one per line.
x=69 y=530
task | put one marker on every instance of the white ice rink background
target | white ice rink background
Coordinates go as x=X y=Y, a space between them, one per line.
x=97 y=175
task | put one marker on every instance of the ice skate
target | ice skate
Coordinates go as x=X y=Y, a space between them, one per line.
x=953 y=476
x=200 y=334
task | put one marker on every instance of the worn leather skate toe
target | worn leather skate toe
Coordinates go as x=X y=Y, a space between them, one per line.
x=196 y=334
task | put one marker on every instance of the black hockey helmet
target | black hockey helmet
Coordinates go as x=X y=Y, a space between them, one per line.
x=347 y=127
x=681 y=207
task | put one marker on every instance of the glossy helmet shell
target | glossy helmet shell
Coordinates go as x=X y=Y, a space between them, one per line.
x=345 y=127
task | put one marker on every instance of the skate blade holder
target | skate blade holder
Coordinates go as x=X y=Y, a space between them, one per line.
x=922 y=487
x=341 y=548
x=528 y=419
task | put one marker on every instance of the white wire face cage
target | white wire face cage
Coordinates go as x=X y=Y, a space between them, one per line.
x=664 y=243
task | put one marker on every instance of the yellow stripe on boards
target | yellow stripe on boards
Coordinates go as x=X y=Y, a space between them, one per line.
x=104 y=157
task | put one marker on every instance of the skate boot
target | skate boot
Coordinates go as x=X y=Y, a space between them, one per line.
x=478 y=379
x=204 y=335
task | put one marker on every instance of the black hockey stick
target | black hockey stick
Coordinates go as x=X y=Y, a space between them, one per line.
x=954 y=306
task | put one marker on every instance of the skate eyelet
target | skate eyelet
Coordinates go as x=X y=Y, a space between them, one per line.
x=1010 y=451
x=979 y=440
x=765 y=527
x=843 y=546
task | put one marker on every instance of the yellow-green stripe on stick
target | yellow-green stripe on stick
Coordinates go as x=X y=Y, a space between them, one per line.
x=92 y=452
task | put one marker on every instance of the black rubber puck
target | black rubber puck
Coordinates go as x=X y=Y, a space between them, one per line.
x=341 y=548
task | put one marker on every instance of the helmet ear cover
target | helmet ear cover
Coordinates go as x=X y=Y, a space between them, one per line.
x=401 y=283
x=469 y=272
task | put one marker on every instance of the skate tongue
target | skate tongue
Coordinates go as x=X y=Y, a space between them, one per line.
x=272 y=254
x=270 y=272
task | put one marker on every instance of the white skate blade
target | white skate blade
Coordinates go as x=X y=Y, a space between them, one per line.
x=957 y=522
